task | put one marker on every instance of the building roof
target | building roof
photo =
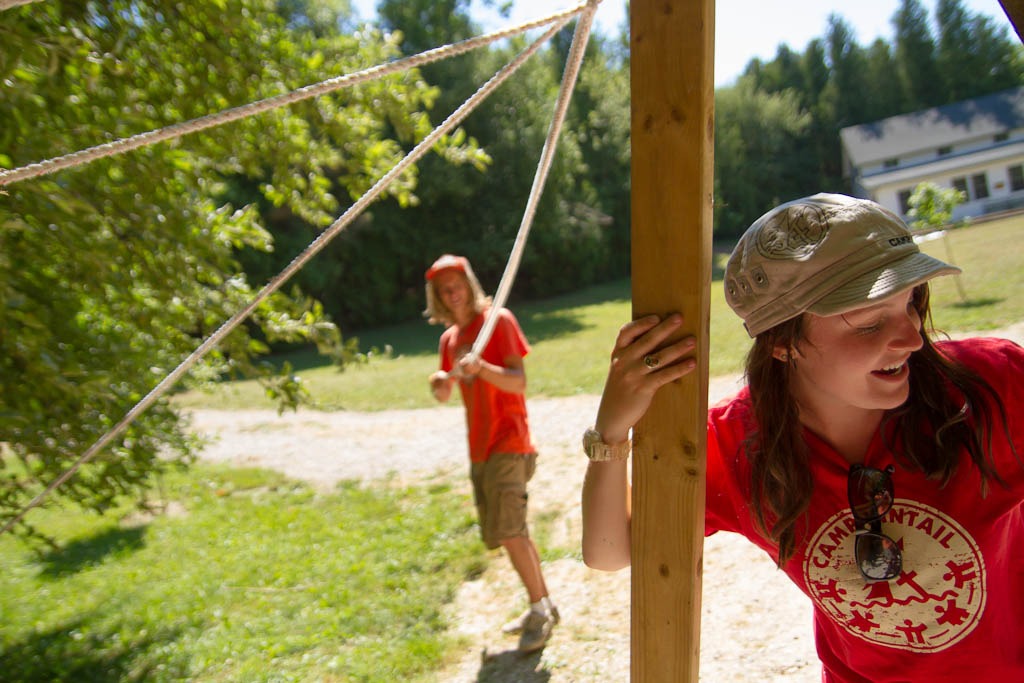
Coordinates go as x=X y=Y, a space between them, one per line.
x=931 y=128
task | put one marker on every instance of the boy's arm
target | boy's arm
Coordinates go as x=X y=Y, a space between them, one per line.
x=511 y=378
x=441 y=385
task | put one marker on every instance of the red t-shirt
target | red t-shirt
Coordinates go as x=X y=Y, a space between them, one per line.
x=496 y=419
x=954 y=614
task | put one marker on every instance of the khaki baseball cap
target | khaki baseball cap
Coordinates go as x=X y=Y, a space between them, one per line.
x=827 y=254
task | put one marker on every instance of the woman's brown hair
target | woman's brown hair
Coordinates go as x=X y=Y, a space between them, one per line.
x=949 y=409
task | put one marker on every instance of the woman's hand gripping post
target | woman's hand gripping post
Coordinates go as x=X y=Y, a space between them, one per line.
x=641 y=363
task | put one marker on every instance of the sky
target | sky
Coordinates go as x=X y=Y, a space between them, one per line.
x=744 y=29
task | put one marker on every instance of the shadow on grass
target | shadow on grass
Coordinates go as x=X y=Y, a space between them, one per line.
x=74 y=651
x=541 y=326
x=74 y=556
x=511 y=666
x=977 y=303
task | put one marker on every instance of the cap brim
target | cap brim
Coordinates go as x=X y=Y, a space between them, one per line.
x=881 y=283
x=432 y=273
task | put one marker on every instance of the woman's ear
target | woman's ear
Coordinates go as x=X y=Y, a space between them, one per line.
x=781 y=353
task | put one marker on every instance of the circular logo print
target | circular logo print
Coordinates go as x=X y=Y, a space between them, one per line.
x=936 y=601
x=795 y=232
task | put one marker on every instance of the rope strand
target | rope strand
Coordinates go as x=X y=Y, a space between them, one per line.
x=8 y=4
x=315 y=246
x=177 y=130
x=569 y=77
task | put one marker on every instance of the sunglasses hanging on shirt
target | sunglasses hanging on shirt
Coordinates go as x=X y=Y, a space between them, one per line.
x=871 y=495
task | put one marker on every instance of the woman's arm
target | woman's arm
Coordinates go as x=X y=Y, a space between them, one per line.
x=606 y=516
x=639 y=367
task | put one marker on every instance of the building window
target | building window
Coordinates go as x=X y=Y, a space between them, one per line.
x=943 y=151
x=1001 y=137
x=889 y=163
x=960 y=184
x=905 y=201
x=1016 y=177
x=980 y=184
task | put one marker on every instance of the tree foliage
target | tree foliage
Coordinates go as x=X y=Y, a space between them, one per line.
x=580 y=231
x=113 y=272
x=915 y=56
x=931 y=207
x=758 y=135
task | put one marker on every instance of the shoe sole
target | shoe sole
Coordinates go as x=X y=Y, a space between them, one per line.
x=555 y=618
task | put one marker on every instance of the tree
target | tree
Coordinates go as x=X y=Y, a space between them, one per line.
x=848 y=82
x=111 y=273
x=974 y=56
x=477 y=209
x=760 y=160
x=931 y=209
x=782 y=73
x=601 y=124
x=997 y=57
x=915 y=57
x=885 y=98
x=821 y=129
x=956 y=59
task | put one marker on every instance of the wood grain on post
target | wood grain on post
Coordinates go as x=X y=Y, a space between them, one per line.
x=672 y=71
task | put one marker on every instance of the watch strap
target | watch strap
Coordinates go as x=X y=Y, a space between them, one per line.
x=598 y=451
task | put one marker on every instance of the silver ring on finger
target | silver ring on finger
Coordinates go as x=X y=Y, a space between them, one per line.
x=651 y=361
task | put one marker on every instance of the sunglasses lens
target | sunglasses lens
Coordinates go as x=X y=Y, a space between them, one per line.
x=870 y=492
x=878 y=557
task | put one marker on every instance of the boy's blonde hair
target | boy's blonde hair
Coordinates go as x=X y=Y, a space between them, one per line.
x=436 y=312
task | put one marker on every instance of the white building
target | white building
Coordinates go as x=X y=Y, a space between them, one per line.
x=976 y=146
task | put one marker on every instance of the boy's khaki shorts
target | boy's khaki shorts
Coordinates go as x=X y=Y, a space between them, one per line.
x=499 y=489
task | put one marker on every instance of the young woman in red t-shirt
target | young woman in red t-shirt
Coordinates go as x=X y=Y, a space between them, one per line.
x=878 y=468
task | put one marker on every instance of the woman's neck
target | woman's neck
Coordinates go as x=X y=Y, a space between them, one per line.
x=848 y=430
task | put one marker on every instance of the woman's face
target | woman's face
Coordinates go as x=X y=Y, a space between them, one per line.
x=857 y=361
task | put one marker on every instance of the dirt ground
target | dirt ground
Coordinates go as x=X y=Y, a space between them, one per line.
x=755 y=626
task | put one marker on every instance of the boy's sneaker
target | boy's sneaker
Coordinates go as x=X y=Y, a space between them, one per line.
x=536 y=631
x=517 y=625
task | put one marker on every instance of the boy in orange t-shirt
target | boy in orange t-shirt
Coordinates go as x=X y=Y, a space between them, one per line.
x=502 y=455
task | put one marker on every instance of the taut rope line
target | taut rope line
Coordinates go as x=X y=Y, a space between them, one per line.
x=572 y=69
x=314 y=247
x=177 y=130
x=8 y=4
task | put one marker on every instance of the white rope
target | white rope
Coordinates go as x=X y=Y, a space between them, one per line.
x=314 y=247
x=226 y=116
x=572 y=68
x=8 y=4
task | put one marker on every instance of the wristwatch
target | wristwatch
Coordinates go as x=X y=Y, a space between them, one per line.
x=598 y=451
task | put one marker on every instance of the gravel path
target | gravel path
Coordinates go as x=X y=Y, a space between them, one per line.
x=324 y=448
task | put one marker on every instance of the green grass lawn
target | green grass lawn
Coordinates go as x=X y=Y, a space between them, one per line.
x=572 y=335
x=254 y=579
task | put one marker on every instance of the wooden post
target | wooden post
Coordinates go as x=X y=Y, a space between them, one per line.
x=672 y=70
x=1014 y=10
